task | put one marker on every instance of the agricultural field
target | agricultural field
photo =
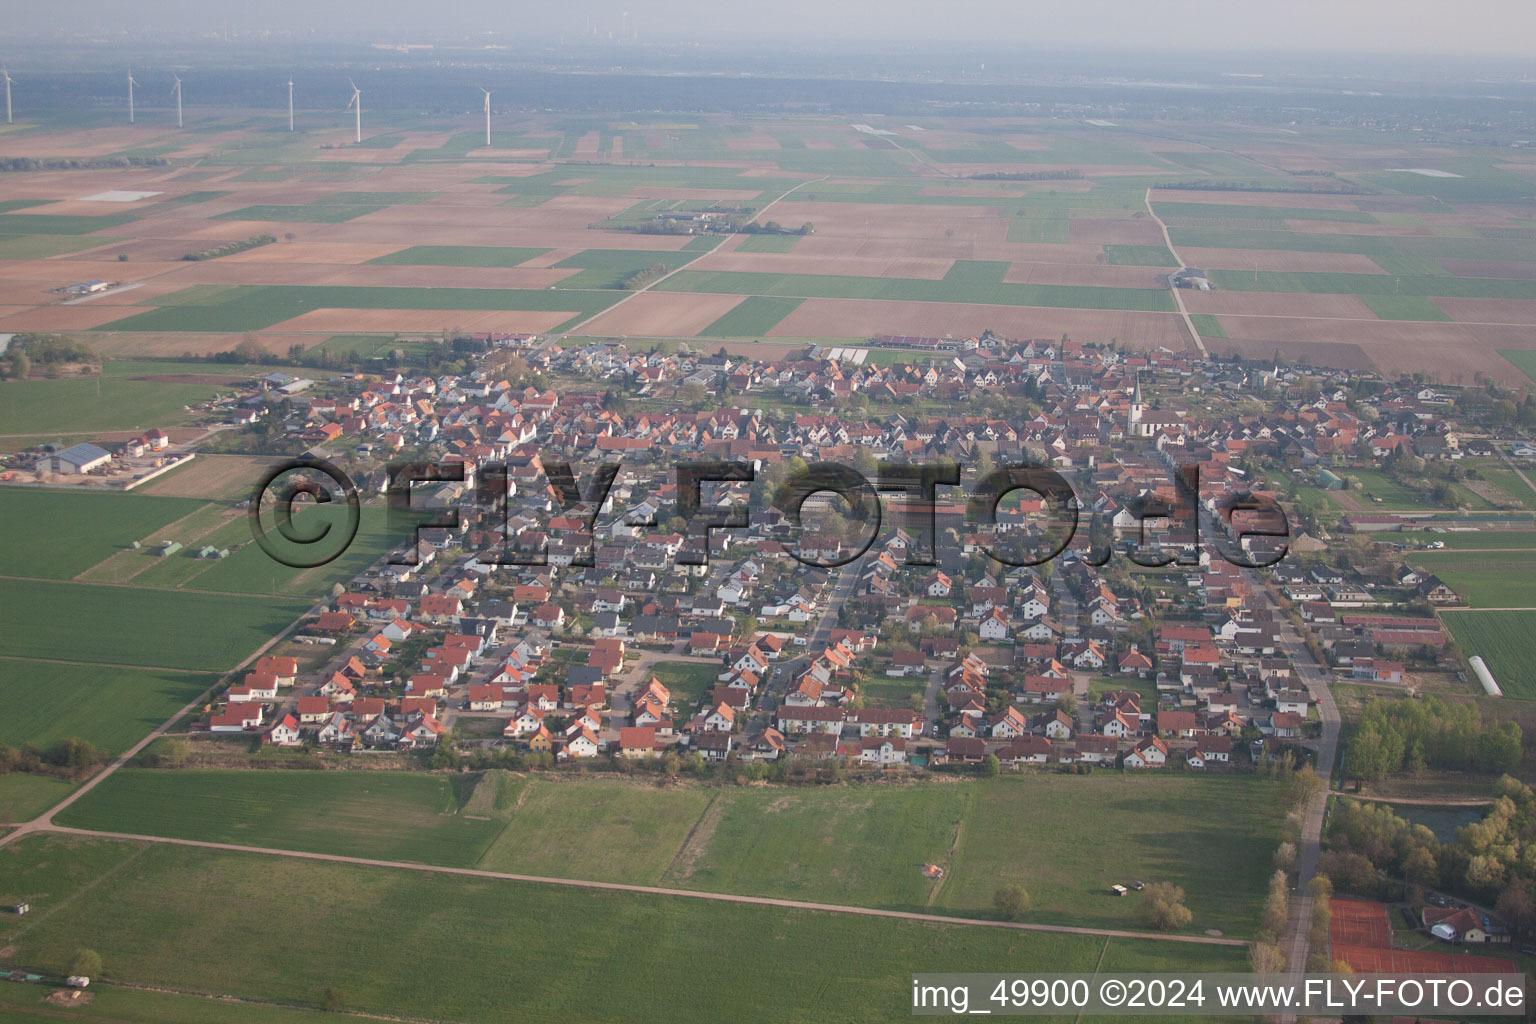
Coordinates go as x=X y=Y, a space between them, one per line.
x=116 y=1005
x=43 y=702
x=109 y=625
x=768 y=243
x=864 y=845
x=24 y=796
x=290 y=952
x=406 y=816
x=934 y=229
x=1505 y=579
x=755 y=315
x=1495 y=540
x=58 y=534
x=1502 y=640
x=460 y=256
x=78 y=407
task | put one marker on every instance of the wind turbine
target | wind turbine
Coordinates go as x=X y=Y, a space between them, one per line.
x=357 y=102
x=487 y=117
x=8 y=80
x=131 y=84
x=290 y=104
x=177 y=90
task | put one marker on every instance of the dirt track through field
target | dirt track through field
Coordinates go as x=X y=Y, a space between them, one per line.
x=647 y=890
x=1178 y=299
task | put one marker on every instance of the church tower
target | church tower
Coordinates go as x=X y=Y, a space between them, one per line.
x=1133 y=418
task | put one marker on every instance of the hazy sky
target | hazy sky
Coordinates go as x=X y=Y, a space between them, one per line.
x=1393 y=26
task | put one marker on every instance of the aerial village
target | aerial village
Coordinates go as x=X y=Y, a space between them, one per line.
x=601 y=643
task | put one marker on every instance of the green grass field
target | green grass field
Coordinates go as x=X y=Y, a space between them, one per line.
x=42 y=702
x=1405 y=307
x=81 y=406
x=384 y=815
x=460 y=256
x=308 y=214
x=1484 y=539
x=1387 y=288
x=1139 y=256
x=753 y=316
x=688 y=681
x=1376 y=484
x=607 y=268
x=955 y=287
x=40 y=247
x=70 y=865
x=1041 y=221
x=1505 y=579
x=642 y=828
x=22 y=1004
x=884 y=691
x=863 y=845
x=254 y=307
x=57 y=534
x=23 y=797
x=251 y=570
x=1523 y=358
x=61 y=224
x=1501 y=639
x=134 y=626
x=1172 y=212
x=568 y=954
x=1208 y=324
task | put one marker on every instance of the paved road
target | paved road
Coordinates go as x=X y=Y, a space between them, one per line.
x=842 y=589
x=649 y=890
x=1310 y=850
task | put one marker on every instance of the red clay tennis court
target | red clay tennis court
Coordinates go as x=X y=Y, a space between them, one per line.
x=1361 y=936
x=1359 y=923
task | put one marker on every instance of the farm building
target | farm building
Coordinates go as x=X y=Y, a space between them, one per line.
x=80 y=458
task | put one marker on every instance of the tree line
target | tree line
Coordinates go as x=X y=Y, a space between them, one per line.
x=1413 y=735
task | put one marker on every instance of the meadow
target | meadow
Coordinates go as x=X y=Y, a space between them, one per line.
x=558 y=954
x=1502 y=640
x=892 y=691
x=22 y=1004
x=24 y=796
x=1376 y=484
x=863 y=845
x=43 y=702
x=251 y=570
x=688 y=681
x=384 y=815
x=109 y=625
x=80 y=406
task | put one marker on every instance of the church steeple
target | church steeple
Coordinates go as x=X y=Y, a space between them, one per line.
x=1133 y=417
